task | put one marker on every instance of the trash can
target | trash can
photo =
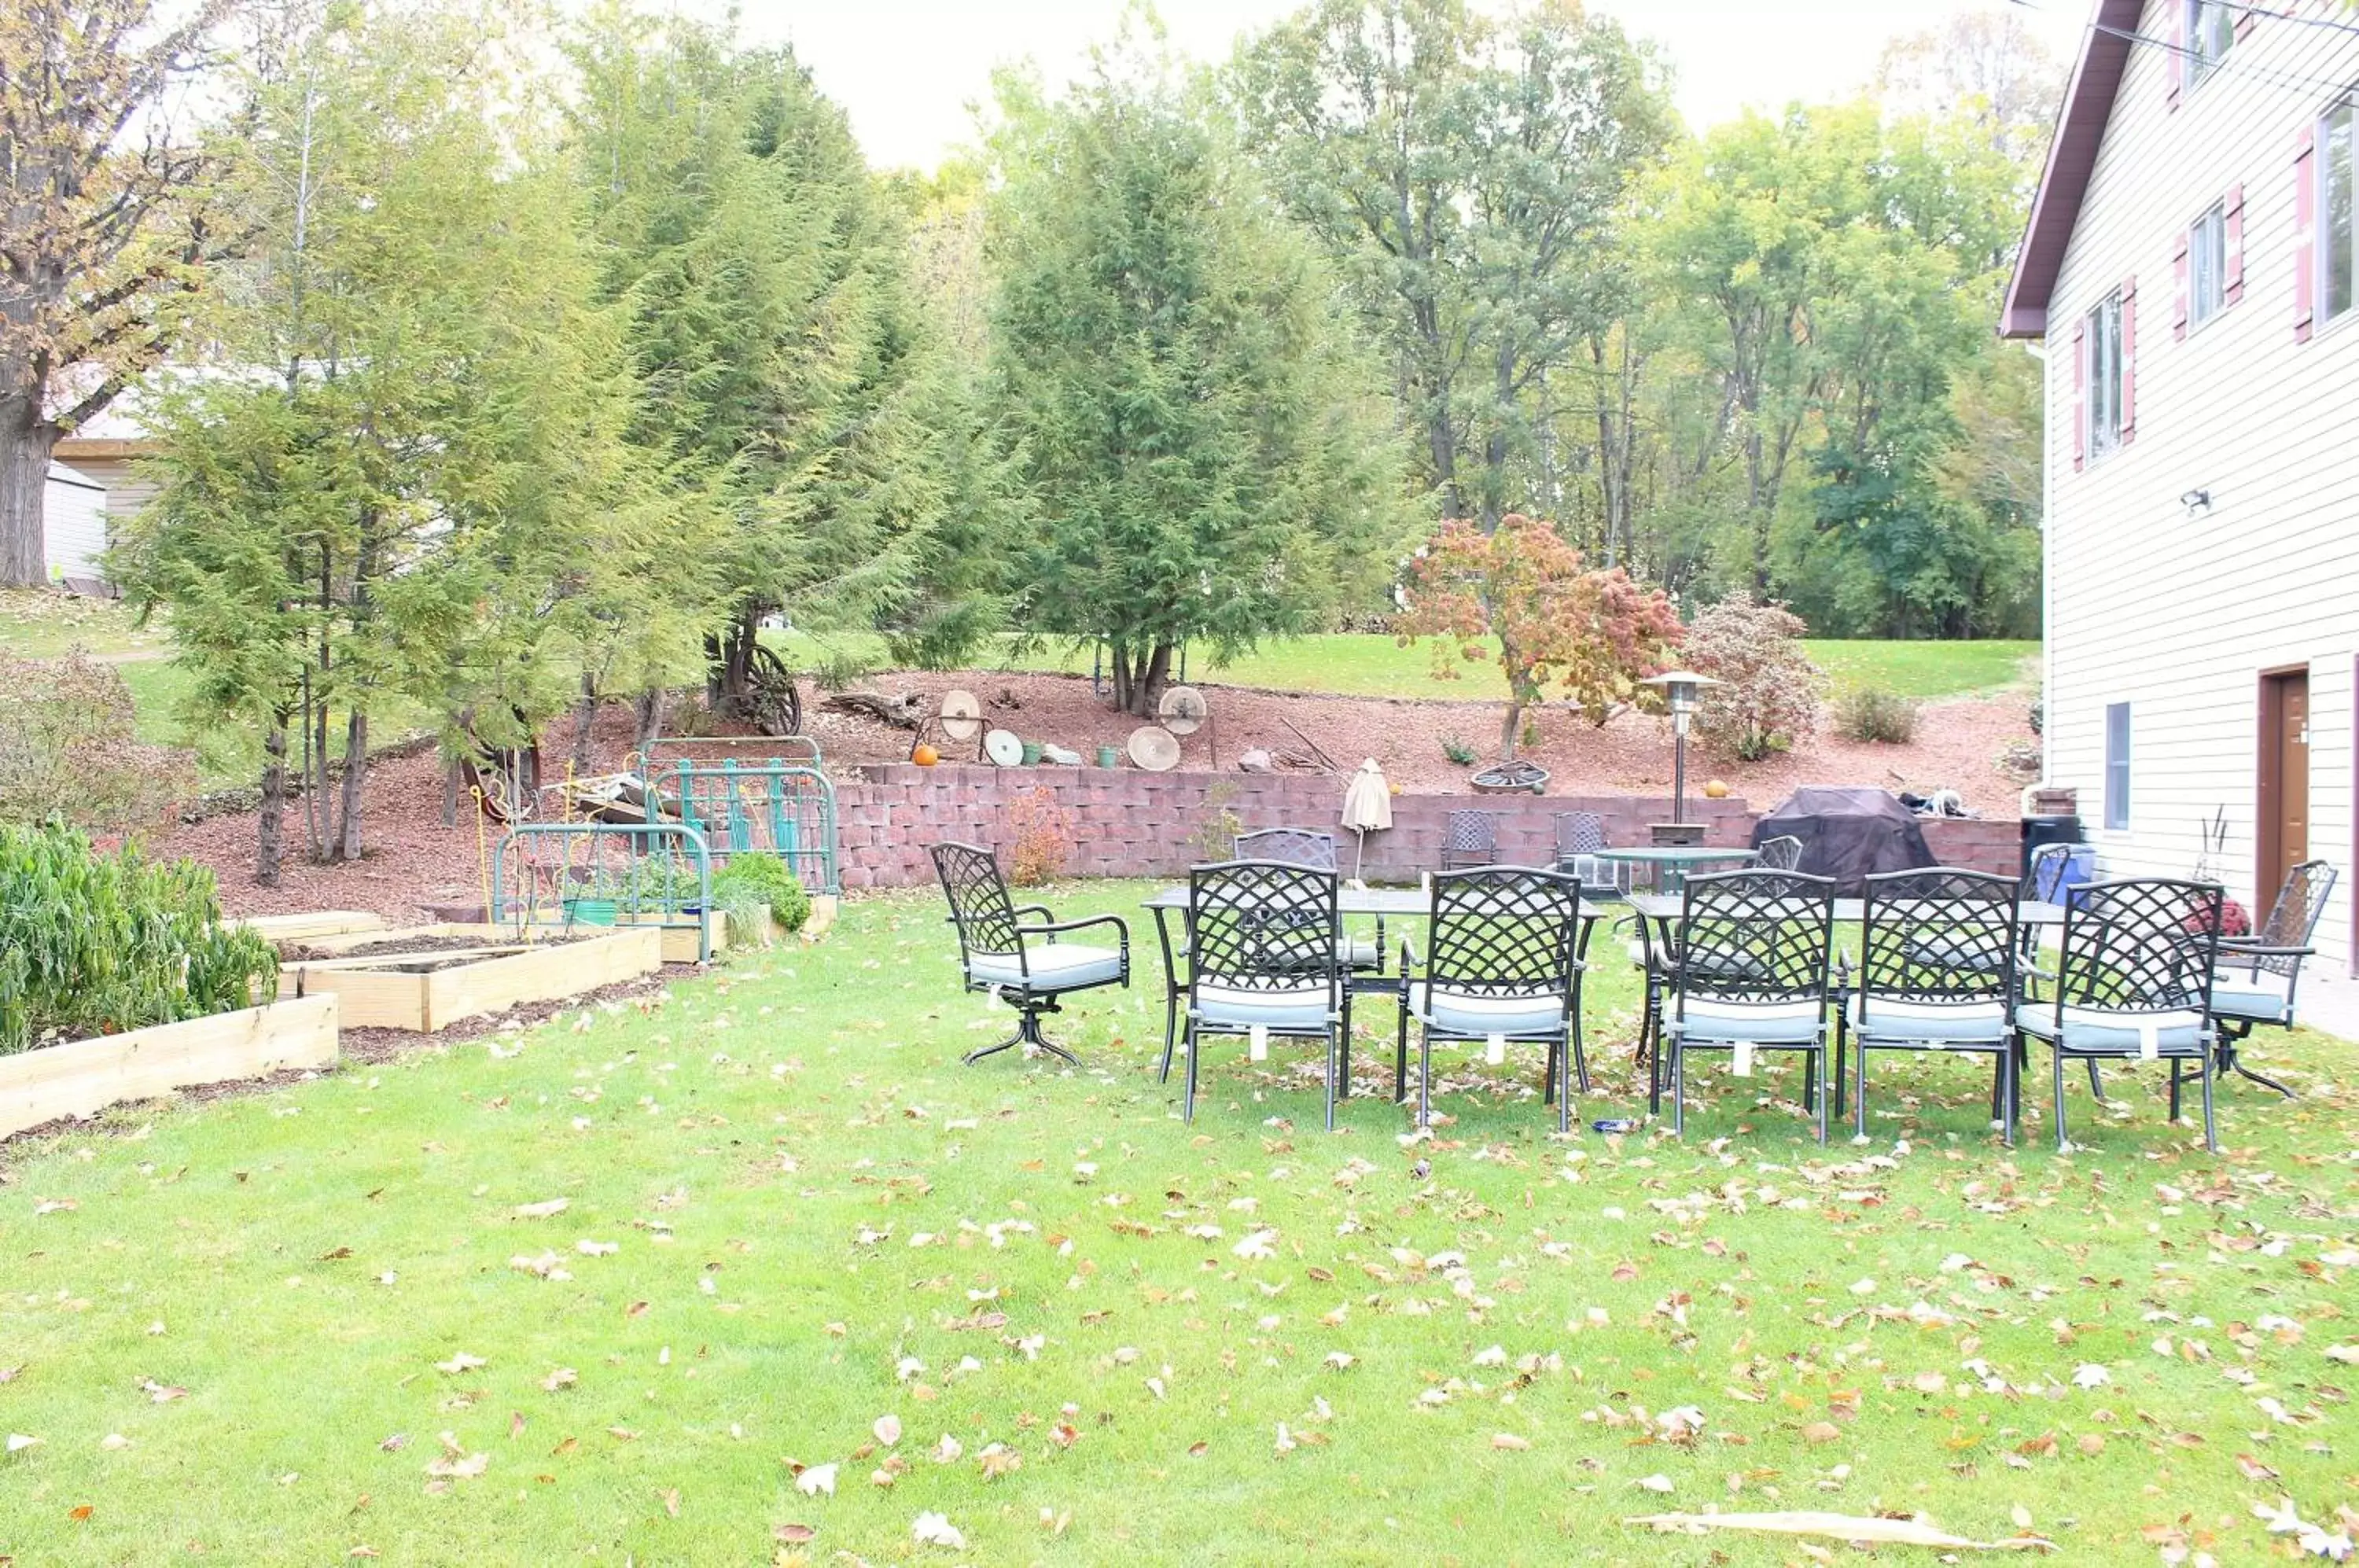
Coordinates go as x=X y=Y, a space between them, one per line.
x=2076 y=869
x=2039 y=832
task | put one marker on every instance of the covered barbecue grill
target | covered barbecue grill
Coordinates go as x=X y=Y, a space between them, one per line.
x=1847 y=834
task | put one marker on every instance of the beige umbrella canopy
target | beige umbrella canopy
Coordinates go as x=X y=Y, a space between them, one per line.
x=1368 y=807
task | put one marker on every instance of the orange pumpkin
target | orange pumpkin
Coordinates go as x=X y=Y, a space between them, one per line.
x=925 y=756
x=1715 y=791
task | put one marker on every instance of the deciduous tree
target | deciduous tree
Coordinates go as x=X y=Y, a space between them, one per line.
x=1522 y=598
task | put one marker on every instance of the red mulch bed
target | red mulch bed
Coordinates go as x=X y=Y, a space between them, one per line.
x=415 y=860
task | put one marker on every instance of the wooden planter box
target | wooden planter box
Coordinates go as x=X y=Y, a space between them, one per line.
x=308 y=927
x=376 y=991
x=87 y=1075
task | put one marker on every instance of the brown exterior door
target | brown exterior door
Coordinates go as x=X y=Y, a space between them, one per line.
x=2284 y=802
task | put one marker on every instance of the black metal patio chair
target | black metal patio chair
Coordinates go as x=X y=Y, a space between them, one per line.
x=1781 y=854
x=1013 y=953
x=1749 y=973
x=1470 y=838
x=2133 y=982
x=2259 y=976
x=1503 y=965
x=1262 y=940
x=1579 y=838
x=1316 y=849
x=1936 y=973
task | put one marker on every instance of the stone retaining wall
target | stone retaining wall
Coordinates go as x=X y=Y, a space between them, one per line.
x=1126 y=823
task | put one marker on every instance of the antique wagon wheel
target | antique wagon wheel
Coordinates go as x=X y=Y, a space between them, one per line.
x=506 y=779
x=773 y=702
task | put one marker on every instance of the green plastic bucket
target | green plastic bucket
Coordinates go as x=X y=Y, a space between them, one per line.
x=1031 y=753
x=1109 y=757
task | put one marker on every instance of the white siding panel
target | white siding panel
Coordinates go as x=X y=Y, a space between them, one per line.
x=2178 y=616
x=73 y=522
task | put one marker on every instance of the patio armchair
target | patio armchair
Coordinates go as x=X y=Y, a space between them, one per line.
x=1261 y=942
x=1936 y=973
x=1016 y=955
x=1781 y=854
x=2259 y=975
x=1504 y=964
x=2133 y=982
x=1470 y=838
x=1316 y=849
x=1749 y=973
x=1580 y=836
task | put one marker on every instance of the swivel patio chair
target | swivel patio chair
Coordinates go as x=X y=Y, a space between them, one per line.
x=1936 y=973
x=1749 y=973
x=1470 y=838
x=2133 y=982
x=1014 y=954
x=1262 y=941
x=1504 y=964
x=2259 y=975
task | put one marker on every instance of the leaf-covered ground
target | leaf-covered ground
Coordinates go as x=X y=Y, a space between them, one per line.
x=760 y=1273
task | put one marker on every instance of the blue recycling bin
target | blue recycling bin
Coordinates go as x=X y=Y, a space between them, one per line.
x=2074 y=868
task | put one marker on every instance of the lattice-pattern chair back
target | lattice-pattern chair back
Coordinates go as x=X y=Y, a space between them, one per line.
x=2293 y=919
x=1781 y=854
x=980 y=906
x=1579 y=832
x=2141 y=944
x=1261 y=925
x=1755 y=936
x=2043 y=875
x=1940 y=936
x=1471 y=833
x=1289 y=846
x=1505 y=929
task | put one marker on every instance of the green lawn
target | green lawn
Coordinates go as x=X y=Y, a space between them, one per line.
x=42 y=624
x=1361 y=665
x=240 y=1328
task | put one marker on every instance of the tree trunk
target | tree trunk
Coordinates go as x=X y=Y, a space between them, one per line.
x=348 y=836
x=1140 y=680
x=1510 y=730
x=648 y=710
x=26 y=442
x=584 y=717
x=270 y=833
x=452 y=770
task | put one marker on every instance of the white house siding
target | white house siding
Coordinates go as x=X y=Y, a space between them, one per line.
x=73 y=522
x=2180 y=615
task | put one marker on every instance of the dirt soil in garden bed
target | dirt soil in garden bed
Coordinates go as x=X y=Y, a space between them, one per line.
x=414 y=860
x=402 y=945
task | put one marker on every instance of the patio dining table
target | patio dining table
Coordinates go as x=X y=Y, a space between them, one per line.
x=1672 y=862
x=1664 y=908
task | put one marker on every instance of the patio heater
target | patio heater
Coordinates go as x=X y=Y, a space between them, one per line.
x=1680 y=688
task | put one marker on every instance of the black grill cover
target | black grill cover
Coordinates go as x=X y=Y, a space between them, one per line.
x=1848 y=834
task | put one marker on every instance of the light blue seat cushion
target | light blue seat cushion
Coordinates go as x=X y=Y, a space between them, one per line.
x=2242 y=993
x=1305 y=1008
x=1054 y=966
x=1930 y=1023
x=2106 y=1030
x=1708 y=1021
x=1471 y=1012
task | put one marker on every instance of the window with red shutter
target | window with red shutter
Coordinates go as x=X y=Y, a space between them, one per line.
x=2127 y=408
x=2079 y=395
x=2231 y=222
x=2305 y=233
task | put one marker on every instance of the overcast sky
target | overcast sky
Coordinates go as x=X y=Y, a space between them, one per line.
x=907 y=69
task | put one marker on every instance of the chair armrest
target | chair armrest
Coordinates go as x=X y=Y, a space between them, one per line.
x=2246 y=947
x=1408 y=957
x=1023 y=910
x=1055 y=926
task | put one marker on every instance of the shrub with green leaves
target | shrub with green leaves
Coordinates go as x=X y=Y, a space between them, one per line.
x=762 y=877
x=1871 y=715
x=70 y=750
x=93 y=944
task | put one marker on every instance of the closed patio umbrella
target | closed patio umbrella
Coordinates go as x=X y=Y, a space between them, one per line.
x=1368 y=807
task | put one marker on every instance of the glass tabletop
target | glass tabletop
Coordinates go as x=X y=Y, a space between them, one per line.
x=1675 y=853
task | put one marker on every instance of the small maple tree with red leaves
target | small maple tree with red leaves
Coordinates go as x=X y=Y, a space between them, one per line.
x=1524 y=599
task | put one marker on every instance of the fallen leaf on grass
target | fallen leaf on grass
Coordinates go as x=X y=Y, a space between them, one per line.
x=933 y=1530
x=887 y=1430
x=1256 y=1246
x=1655 y=1483
x=454 y=1462
x=542 y=1210
x=816 y=1479
x=671 y=1496
x=1508 y=1439
x=1822 y=1432
x=19 y=1442
x=461 y=1362
x=563 y=1377
x=80 y=1513
x=161 y=1393
x=1837 y=1527
x=589 y=1248
x=793 y=1534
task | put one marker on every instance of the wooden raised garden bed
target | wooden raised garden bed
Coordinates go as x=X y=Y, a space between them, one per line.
x=83 y=1076
x=436 y=984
